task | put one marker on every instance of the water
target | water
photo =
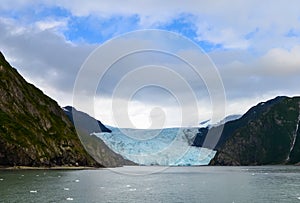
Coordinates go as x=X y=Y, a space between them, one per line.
x=176 y=184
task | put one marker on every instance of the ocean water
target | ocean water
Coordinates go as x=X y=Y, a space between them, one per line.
x=153 y=184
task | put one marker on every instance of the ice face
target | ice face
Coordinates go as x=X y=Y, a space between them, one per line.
x=168 y=147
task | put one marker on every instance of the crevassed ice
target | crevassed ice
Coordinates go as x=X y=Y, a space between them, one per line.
x=168 y=147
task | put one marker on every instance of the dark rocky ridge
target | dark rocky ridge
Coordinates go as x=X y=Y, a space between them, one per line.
x=207 y=137
x=34 y=130
x=267 y=134
x=85 y=126
x=88 y=123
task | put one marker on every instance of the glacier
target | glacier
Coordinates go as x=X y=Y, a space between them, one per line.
x=165 y=147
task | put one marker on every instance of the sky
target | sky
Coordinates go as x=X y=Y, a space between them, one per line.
x=254 y=45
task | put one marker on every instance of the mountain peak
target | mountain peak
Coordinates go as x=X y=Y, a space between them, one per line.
x=267 y=134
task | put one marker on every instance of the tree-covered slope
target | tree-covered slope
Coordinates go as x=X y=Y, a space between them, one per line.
x=266 y=134
x=34 y=130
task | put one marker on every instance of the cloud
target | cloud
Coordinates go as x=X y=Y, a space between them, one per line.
x=254 y=44
x=234 y=24
x=44 y=57
x=51 y=24
x=274 y=73
x=281 y=62
x=252 y=25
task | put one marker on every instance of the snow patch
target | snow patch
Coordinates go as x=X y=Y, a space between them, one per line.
x=65 y=109
x=294 y=137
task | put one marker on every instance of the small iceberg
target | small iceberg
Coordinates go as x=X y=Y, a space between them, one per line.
x=77 y=181
x=33 y=191
x=66 y=189
x=69 y=199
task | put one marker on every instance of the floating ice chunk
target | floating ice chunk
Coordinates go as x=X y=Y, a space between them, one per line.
x=128 y=185
x=69 y=199
x=101 y=187
x=253 y=174
x=67 y=189
x=77 y=181
x=37 y=175
x=298 y=198
x=33 y=191
x=1 y=179
x=132 y=189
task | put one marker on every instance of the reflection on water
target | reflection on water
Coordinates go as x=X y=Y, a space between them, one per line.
x=175 y=184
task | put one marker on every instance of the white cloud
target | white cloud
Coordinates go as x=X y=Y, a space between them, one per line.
x=51 y=24
x=235 y=24
x=281 y=62
x=43 y=57
x=229 y=23
x=261 y=59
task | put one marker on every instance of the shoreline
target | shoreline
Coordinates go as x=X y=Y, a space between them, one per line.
x=49 y=168
x=97 y=168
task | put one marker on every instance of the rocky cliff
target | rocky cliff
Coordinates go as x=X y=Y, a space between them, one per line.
x=267 y=134
x=34 y=130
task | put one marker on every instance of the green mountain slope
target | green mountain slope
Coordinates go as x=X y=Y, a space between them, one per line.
x=266 y=134
x=34 y=130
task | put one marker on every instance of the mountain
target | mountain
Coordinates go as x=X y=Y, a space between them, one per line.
x=88 y=123
x=207 y=123
x=206 y=136
x=228 y=118
x=35 y=131
x=86 y=126
x=267 y=134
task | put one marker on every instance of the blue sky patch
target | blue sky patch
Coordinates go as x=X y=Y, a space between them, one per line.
x=93 y=29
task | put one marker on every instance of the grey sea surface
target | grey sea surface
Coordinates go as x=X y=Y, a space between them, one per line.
x=153 y=184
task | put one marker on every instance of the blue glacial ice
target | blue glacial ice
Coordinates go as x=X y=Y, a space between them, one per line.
x=167 y=147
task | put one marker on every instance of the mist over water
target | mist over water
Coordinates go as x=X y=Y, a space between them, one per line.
x=175 y=184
